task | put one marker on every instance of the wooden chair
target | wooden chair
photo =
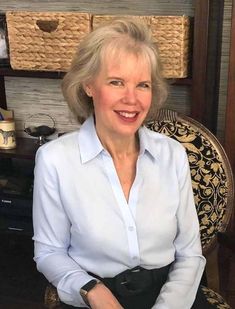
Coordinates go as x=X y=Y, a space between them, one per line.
x=212 y=182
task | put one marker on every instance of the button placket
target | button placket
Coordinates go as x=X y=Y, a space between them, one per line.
x=125 y=209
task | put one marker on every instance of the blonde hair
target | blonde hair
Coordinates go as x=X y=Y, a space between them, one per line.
x=130 y=35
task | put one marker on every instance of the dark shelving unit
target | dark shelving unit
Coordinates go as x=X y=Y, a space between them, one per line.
x=8 y=71
x=25 y=149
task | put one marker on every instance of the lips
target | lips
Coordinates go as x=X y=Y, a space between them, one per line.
x=127 y=115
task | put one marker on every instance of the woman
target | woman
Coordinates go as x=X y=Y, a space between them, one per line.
x=115 y=224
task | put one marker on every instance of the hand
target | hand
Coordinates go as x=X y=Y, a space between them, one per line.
x=100 y=297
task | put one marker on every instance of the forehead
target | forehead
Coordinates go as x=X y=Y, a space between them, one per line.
x=122 y=60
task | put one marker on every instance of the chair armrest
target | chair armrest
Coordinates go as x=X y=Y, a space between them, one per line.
x=51 y=298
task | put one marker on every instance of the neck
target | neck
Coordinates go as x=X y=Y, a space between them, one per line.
x=120 y=148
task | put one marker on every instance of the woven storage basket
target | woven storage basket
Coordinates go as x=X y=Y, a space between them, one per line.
x=97 y=20
x=45 y=41
x=172 y=37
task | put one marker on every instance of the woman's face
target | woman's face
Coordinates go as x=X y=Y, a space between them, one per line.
x=122 y=95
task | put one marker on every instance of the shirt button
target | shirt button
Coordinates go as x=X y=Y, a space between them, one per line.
x=131 y=228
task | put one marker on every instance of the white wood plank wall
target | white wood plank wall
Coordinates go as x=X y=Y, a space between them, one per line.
x=33 y=95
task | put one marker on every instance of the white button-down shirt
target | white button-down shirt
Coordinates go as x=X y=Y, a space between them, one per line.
x=82 y=221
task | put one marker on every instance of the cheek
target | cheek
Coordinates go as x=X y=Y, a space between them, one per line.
x=97 y=97
x=146 y=101
x=100 y=106
x=103 y=99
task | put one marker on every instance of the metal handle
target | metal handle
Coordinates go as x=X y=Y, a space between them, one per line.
x=39 y=114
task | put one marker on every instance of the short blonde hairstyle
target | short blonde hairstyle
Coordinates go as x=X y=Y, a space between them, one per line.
x=130 y=35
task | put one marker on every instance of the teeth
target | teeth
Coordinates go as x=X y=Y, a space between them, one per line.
x=127 y=115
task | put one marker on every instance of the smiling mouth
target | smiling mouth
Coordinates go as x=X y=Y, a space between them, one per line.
x=128 y=114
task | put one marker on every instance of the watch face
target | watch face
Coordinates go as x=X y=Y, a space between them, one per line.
x=86 y=288
x=83 y=292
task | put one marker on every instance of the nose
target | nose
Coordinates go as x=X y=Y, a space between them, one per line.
x=130 y=95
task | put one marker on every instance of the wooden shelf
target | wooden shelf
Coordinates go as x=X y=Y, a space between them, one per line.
x=25 y=149
x=181 y=81
x=7 y=71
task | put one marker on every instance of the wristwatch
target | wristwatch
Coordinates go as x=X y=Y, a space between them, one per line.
x=86 y=288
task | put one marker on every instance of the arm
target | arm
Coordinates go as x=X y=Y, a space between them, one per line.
x=52 y=234
x=184 y=278
x=52 y=240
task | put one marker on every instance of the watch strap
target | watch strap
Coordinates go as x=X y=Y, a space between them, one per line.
x=86 y=288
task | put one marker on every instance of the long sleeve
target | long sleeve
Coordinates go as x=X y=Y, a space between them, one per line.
x=52 y=235
x=181 y=287
x=157 y=226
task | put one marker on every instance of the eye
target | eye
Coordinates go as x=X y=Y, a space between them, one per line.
x=117 y=83
x=145 y=85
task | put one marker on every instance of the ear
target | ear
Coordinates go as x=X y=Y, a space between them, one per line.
x=87 y=89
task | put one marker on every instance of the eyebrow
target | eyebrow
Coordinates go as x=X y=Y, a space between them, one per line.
x=146 y=81
x=120 y=78
x=114 y=77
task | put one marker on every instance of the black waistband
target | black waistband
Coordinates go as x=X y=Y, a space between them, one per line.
x=136 y=280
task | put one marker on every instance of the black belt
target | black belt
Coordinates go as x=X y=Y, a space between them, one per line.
x=136 y=280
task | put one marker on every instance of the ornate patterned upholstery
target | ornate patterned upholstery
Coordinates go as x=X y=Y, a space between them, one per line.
x=211 y=173
x=51 y=298
x=215 y=299
x=212 y=179
x=212 y=182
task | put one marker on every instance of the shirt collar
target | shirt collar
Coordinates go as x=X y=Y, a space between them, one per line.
x=90 y=145
x=147 y=142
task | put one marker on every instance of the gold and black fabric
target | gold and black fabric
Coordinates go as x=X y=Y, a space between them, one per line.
x=212 y=179
x=215 y=299
x=210 y=172
x=51 y=298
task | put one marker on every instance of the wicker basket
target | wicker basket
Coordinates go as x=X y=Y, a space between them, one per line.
x=172 y=38
x=45 y=41
x=97 y=20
